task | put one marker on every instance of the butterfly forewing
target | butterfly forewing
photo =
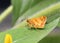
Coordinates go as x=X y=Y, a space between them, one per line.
x=37 y=22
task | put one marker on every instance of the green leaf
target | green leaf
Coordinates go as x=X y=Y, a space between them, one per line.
x=39 y=7
x=21 y=6
x=23 y=34
x=58 y=25
x=51 y=39
x=16 y=9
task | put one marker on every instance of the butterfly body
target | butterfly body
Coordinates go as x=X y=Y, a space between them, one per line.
x=37 y=22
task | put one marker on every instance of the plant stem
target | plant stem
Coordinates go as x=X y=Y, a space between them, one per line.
x=6 y=13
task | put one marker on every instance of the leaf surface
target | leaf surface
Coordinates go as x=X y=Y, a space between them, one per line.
x=39 y=7
x=23 y=34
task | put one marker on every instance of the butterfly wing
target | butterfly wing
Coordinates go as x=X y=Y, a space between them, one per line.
x=37 y=22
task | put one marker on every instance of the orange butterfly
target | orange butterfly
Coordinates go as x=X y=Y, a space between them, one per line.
x=37 y=22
